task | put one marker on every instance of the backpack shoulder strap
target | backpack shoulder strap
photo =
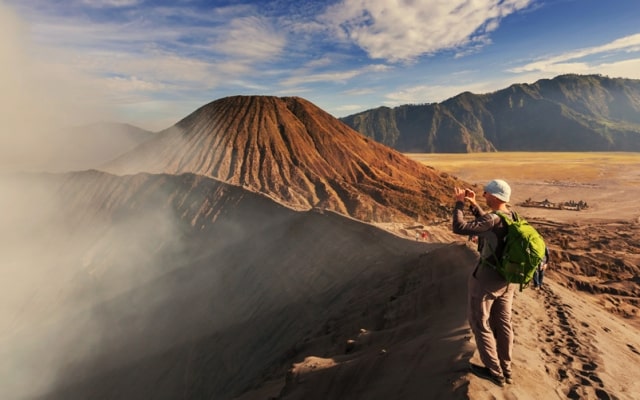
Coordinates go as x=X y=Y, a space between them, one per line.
x=516 y=217
x=508 y=219
x=499 y=246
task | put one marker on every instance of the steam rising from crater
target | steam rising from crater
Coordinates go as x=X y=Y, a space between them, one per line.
x=40 y=98
x=53 y=274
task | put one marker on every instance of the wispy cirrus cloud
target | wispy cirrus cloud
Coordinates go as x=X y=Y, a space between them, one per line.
x=417 y=94
x=249 y=38
x=193 y=52
x=111 y=3
x=306 y=77
x=596 y=59
x=404 y=30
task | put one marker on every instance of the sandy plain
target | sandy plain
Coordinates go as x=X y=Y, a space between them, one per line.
x=608 y=182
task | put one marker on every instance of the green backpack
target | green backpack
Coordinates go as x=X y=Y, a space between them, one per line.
x=524 y=249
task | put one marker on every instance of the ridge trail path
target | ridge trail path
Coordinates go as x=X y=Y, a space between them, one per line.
x=566 y=347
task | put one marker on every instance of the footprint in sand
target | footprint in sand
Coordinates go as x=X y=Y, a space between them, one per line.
x=576 y=370
x=633 y=349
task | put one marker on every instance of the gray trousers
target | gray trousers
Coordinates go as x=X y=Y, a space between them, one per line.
x=490 y=302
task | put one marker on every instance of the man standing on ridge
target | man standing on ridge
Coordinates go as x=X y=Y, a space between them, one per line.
x=490 y=295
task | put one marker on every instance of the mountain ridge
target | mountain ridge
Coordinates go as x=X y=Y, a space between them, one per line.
x=580 y=113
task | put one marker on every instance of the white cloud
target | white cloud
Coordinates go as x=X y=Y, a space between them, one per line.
x=123 y=85
x=622 y=69
x=250 y=38
x=359 y=92
x=162 y=68
x=592 y=60
x=402 y=30
x=304 y=77
x=111 y=3
x=139 y=58
x=321 y=62
x=125 y=36
x=340 y=76
x=419 y=94
x=348 y=108
x=199 y=52
x=438 y=93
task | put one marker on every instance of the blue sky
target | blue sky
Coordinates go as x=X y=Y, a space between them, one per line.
x=152 y=62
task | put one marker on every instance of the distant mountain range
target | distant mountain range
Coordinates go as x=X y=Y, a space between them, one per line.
x=567 y=113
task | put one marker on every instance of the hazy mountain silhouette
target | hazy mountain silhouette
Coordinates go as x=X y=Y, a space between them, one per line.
x=296 y=153
x=88 y=146
x=567 y=113
x=73 y=148
x=98 y=143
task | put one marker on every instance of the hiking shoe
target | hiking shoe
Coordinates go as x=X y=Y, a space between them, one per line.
x=484 y=373
x=498 y=380
x=508 y=379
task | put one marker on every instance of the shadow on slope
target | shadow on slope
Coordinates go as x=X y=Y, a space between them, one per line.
x=411 y=312
x=401 y=337
x=158 y=286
